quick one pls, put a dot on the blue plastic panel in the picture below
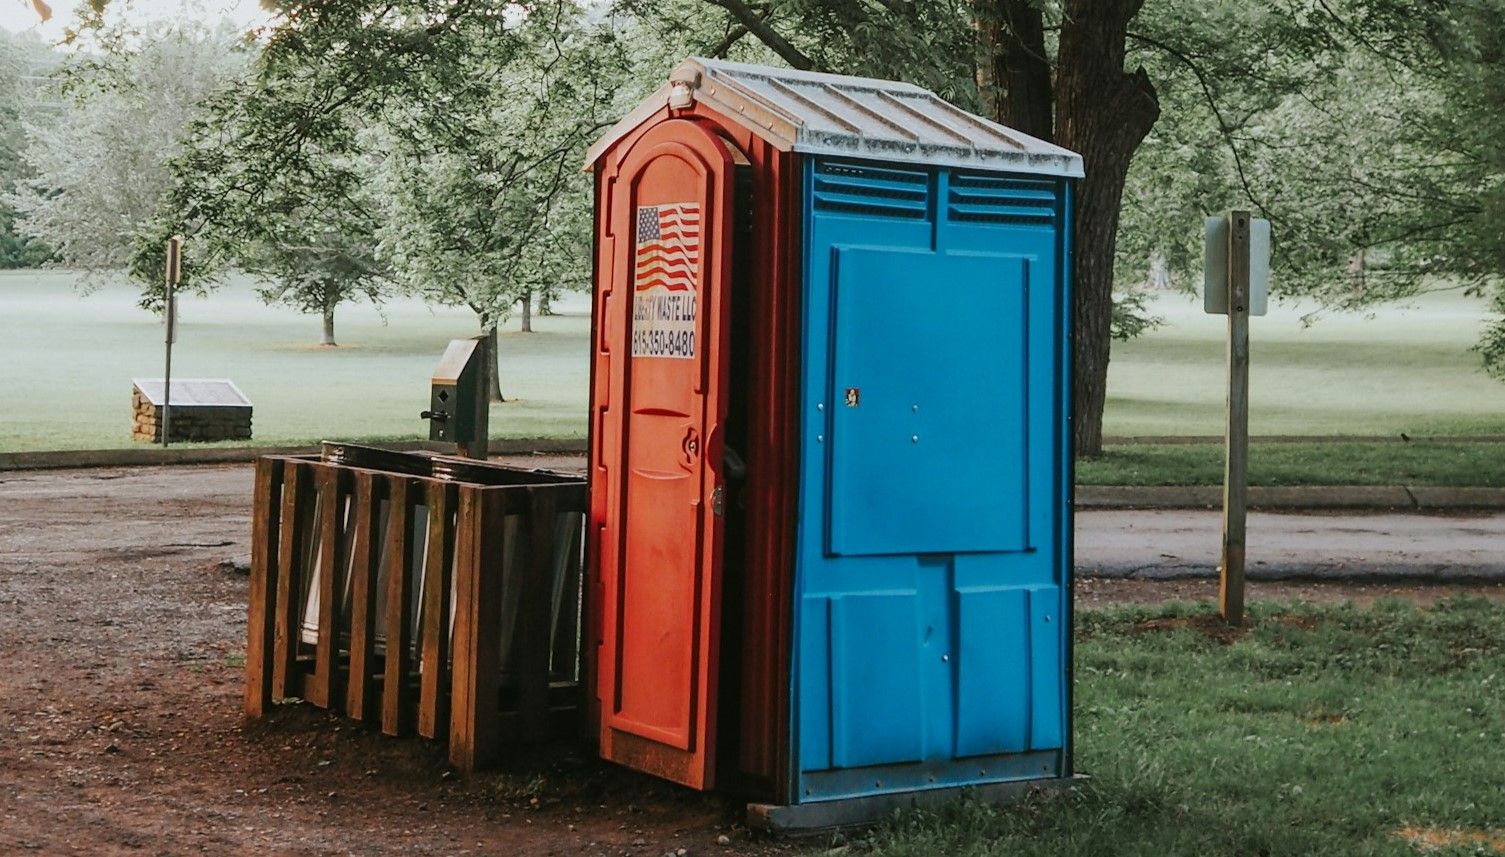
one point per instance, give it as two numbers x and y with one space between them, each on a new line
877 717
928 421
932 573
993 687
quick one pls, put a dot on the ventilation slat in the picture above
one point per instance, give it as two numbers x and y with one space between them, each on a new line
1022 212
976 198
1036 197
874 191
879 208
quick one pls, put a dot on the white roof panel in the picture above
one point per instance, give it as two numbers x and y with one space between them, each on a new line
832 114
194 392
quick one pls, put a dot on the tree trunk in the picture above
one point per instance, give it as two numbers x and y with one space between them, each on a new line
1013 69
493 363
528 311
1103 113
545 303
330 301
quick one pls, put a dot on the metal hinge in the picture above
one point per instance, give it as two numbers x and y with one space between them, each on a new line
718 501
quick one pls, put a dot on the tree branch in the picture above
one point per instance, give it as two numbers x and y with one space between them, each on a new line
1224 127
766 34
733 36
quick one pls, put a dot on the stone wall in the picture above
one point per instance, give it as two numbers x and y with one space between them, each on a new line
189 422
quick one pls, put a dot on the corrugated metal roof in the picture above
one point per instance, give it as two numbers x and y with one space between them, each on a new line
194 392
832 114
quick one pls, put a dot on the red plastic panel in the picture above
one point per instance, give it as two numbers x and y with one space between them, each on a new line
663 266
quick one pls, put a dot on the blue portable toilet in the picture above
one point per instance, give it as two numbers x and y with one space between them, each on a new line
875 549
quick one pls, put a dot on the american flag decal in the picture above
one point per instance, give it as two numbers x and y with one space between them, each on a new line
668 246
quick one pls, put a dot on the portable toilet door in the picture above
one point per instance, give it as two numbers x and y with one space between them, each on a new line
670 209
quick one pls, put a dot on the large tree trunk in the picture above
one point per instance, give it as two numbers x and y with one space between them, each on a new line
1013 71
1103 113
527 303
330 301
1098 111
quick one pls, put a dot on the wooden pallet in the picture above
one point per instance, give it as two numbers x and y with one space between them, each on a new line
396 597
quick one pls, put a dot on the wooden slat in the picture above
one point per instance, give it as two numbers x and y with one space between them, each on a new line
261 628
365 555
565 637
296 498
535 606
395 693
433 692
474 698
334 485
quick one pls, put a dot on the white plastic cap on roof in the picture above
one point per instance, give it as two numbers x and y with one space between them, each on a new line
833 114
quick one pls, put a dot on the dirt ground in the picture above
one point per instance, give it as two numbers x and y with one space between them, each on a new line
121 638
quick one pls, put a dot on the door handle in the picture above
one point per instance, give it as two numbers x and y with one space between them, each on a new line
691 446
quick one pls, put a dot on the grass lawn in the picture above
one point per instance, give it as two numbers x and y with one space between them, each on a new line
1334 730
1354 463
1405 369
74 357
68 361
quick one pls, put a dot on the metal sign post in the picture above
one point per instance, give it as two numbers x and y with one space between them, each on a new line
1236 284
174 276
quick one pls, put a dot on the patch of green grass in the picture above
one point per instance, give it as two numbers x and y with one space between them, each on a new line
1356 463
74 358
1333 730
1405 368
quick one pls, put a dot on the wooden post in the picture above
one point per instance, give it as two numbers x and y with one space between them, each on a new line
400 572
1236 462
364 569
434 630
334 483
261 629
292 532
474 699
174 267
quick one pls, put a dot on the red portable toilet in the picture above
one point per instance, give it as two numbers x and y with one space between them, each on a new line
830 569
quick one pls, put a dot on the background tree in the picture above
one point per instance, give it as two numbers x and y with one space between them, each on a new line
304 226
473 118
488 204
26 65
97 174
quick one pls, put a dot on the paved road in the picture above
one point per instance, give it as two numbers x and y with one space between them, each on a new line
1173 543
70 511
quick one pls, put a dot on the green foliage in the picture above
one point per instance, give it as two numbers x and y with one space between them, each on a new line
1375 149
421 146
99 170
24 63
487 204
1334 730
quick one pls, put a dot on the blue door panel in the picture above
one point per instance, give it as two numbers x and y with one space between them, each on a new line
925 452
877 717
993 671
931 548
